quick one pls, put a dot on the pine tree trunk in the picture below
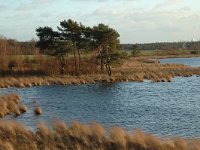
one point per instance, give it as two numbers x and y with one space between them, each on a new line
102 64
109 71
75 63
62 65
79 60
108 68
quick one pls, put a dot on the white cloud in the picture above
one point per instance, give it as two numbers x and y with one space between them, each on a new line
143 25
175 1
135 20
3 8
34 5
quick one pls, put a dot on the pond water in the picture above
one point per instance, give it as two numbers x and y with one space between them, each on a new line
164 109
194 61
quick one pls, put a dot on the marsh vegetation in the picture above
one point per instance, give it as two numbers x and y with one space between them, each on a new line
79 54
133 69
79 136
11 104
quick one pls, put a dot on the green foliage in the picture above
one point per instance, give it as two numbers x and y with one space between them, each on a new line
118 57
73 36
105 37
195 52
165 46
47 40
71 31
135 50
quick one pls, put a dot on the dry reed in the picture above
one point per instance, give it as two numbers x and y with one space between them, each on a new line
38 110
14 135
11 104
135 69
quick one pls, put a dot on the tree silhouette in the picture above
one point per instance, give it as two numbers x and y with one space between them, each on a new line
73 36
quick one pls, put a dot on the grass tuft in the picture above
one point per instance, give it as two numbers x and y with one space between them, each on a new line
14 135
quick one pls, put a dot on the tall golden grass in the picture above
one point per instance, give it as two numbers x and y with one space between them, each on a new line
11 104
135 69
143 68
43 65
38 110
15 136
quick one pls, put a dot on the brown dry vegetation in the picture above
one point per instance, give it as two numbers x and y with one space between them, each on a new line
14 135
18 65
23 58
36 69
11 104
134 69
38 110
150 69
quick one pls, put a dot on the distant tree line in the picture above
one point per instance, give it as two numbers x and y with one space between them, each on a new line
14 47
14 55
165 46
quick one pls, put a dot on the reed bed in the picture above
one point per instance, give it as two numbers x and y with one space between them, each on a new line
135 69
38 110
11 104
14 135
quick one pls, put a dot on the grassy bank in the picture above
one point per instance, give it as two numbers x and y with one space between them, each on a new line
133 69
16 136
169 53
151 69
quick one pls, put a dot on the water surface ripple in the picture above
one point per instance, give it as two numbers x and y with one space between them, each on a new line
164 109
161 108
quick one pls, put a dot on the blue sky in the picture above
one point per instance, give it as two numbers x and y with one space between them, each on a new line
137 21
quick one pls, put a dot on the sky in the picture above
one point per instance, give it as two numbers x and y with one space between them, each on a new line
137 21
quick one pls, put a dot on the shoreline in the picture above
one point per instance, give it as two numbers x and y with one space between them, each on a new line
22 82
126 76
176 56
93 136
132 70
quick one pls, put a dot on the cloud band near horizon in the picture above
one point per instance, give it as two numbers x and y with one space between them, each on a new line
137 21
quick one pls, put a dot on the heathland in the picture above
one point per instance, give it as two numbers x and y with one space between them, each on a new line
77 54
14 135
133 69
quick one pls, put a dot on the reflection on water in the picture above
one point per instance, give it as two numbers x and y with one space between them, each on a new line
160 108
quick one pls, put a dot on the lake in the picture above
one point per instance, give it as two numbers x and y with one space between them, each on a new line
194 61
164 109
